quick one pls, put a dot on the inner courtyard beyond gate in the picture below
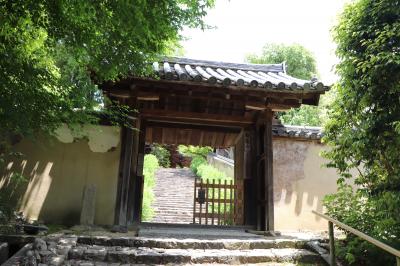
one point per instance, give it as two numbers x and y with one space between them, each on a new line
206 103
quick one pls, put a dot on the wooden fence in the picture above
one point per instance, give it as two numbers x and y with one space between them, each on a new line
216 202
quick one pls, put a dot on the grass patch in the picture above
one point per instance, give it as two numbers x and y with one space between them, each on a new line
149 169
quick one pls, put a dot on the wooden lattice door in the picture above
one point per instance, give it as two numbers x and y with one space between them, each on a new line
217 202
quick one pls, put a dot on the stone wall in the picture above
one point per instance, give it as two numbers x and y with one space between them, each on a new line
58 170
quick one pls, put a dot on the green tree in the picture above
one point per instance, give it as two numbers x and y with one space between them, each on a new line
364 127
51 51
301 64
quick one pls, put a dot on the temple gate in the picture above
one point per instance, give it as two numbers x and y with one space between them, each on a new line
207 103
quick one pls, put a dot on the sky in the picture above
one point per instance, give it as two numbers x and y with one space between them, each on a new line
244 26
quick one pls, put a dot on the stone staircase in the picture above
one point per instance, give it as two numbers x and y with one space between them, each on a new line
103 250
173 193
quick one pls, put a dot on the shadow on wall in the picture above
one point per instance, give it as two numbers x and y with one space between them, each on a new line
56 176
300 183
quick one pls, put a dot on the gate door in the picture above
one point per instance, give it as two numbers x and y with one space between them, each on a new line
217 202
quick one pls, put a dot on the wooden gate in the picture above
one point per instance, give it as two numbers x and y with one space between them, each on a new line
217 202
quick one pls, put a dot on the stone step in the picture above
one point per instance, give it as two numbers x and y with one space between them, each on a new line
171 243
174 207
174 212
176 218
91 263
173 218
198 256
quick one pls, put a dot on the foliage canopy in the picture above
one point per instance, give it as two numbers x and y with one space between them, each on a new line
301 64
52 50
364 126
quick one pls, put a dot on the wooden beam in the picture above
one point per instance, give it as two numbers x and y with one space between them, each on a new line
143 83
257 103
203 127
192 117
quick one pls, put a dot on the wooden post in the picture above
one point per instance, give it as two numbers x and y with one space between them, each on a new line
201 205
232 206
138 178
268 172
239 177
398 261
219 201
122 202
259 180
194 200
225 199
332 257
133 171
249 184
206 209
212 203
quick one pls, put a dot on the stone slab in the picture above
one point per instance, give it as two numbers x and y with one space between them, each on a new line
3 252
88 205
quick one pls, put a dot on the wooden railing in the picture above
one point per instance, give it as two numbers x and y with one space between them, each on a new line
379 244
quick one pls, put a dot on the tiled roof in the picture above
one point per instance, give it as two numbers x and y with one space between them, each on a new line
271 77
303 132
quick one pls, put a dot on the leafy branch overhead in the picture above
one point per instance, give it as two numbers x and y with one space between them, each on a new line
52 50
300 63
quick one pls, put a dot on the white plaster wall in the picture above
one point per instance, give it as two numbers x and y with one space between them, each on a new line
300 184
58 170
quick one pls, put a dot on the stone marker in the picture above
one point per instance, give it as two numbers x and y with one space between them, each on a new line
88 205
3 252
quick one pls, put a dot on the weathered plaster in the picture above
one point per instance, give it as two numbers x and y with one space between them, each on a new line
288 165
57 173
100 138
301 182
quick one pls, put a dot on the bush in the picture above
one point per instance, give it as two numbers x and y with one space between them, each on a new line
150 167
194 151
196 162
162 155
207 171
372 214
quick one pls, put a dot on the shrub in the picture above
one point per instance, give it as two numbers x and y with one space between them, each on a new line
207 171
196 162
363 129
162 155
194 151
372 214
150 167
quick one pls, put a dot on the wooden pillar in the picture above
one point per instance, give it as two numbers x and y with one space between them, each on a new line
133 170
268 172
264 172
259 174
122 202
138 178
250 188
239 175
